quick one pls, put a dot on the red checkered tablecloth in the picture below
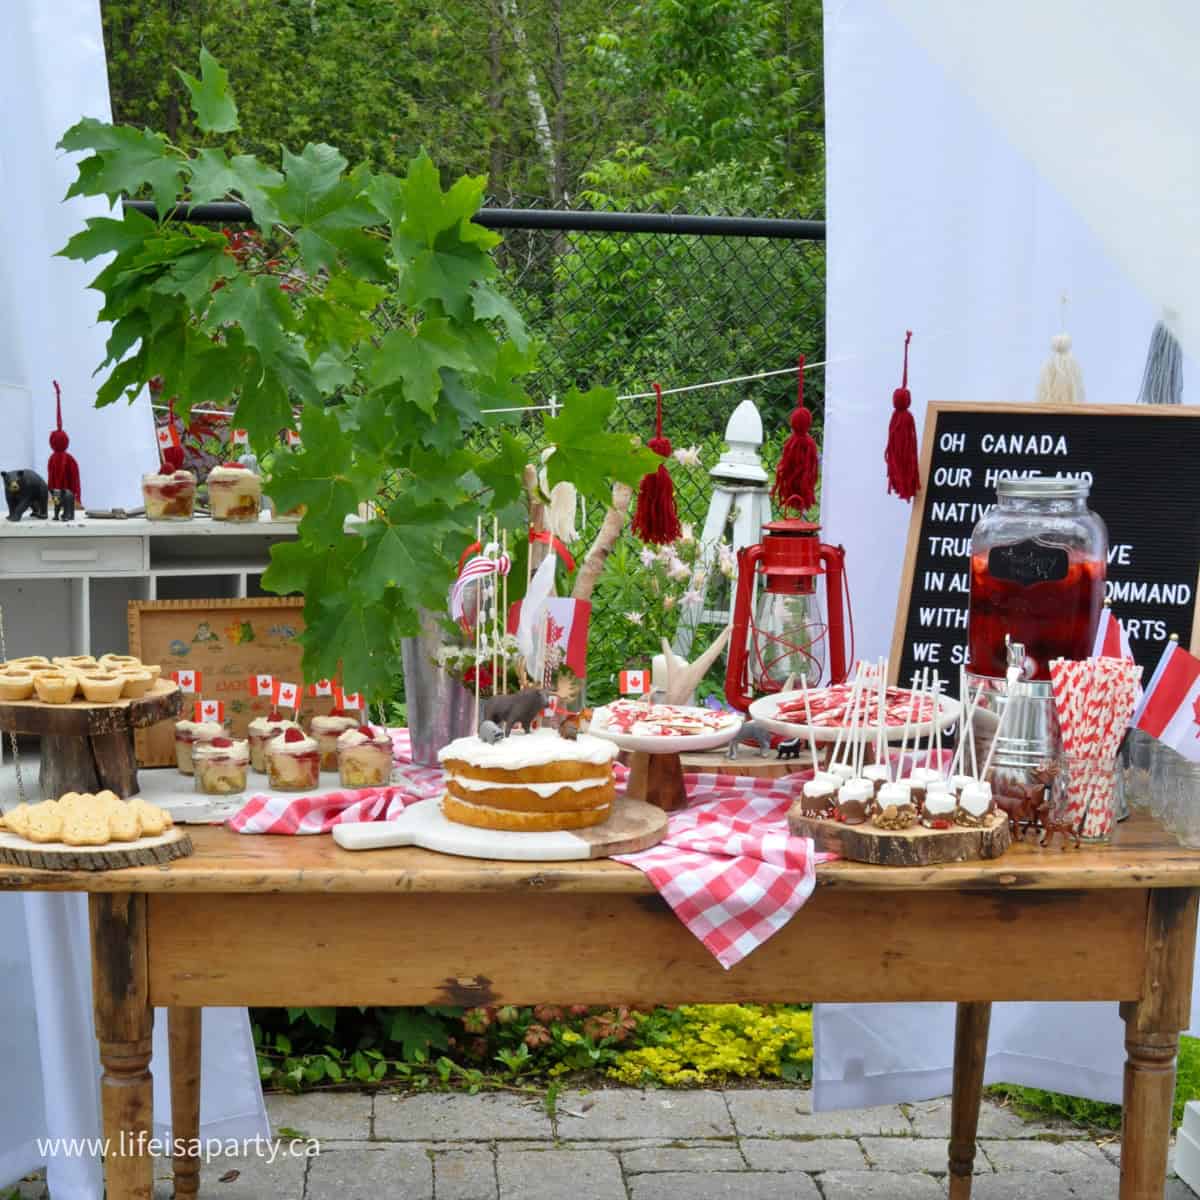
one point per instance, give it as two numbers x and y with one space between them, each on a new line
728 866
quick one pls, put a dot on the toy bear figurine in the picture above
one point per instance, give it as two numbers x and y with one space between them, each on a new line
26 492
64 504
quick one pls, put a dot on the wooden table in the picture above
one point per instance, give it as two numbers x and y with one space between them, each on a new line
297 921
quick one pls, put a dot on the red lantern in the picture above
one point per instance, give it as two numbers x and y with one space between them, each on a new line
788 633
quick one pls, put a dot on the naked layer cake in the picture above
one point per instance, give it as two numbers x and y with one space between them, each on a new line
532 782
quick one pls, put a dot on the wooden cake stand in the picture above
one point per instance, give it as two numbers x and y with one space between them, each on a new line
915 847
88 747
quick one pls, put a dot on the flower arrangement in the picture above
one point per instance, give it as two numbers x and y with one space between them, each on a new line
465 661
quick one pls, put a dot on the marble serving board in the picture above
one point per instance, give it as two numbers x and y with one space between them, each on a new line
633 825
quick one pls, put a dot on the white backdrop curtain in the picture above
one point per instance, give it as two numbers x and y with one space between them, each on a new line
52 71
940 222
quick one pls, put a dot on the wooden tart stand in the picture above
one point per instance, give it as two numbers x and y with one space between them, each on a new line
56 856
915 847
88 747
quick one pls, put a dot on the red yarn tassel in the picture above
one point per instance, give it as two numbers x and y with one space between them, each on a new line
903 467
655 520
62 471
799 464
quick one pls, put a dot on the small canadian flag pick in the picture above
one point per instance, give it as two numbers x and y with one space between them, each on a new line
552 708
634 683
189 681
350 700
210 710
287 695
164 437
241 437
323 687
293 438
262 685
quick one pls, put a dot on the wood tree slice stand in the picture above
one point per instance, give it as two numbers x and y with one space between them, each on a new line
748 762
657 779
88 747
56 856
915 847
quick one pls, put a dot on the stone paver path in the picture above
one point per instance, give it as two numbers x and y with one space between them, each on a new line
755 1144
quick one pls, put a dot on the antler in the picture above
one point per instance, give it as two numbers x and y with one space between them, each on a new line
566 688
682 677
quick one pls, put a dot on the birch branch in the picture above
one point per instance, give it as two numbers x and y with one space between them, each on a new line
610 530
541 122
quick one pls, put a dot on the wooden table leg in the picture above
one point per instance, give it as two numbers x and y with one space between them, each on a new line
124 1025
183 1035
970 1056
1152 1027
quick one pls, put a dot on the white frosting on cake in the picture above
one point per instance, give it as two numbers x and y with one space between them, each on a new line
538 749
976 799
894 794
280 745
940 803
239 752
541 789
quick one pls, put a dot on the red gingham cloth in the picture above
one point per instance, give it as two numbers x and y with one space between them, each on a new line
728 866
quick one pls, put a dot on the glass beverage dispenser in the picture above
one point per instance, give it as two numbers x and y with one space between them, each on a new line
1038 563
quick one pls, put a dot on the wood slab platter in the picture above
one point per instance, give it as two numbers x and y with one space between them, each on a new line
633 825
82 718
748 762
915 847
57 856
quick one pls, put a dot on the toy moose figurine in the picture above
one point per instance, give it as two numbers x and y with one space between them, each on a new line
1027 808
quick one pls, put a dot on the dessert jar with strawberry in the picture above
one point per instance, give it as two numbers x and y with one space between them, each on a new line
169 495
260 731
327 730
234 493
188 735
293 762
364 757
220 766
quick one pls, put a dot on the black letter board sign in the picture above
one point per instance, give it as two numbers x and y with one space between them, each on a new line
1144 466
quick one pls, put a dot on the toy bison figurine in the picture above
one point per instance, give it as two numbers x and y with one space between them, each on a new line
519 708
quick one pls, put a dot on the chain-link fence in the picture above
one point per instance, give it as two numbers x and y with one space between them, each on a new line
631 299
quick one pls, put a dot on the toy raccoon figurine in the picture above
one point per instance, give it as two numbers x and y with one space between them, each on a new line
26 492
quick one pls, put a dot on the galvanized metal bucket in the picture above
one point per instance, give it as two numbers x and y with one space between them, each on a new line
1030 738
440 709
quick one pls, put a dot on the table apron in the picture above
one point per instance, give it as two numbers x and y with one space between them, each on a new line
299 949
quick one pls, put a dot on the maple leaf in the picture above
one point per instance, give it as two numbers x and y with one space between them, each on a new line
586 455
212 104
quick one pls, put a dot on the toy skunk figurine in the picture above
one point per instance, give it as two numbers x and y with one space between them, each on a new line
789 749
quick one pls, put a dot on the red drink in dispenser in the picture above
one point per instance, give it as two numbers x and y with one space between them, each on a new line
1054 618
1037 576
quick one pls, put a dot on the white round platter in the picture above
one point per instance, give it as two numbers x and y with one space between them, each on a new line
682 743
763 711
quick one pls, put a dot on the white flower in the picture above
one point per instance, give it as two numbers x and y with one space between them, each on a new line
727 567
649 557
668 603
667 555
691 598
689 457
679 570
634 618
688 534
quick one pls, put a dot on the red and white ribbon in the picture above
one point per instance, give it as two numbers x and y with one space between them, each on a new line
473 570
